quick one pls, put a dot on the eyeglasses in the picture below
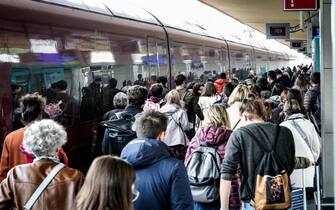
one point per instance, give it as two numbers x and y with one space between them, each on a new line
136 195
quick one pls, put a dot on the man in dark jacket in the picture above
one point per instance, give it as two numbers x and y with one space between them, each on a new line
243 149
311 103
160 179
136 98
108 95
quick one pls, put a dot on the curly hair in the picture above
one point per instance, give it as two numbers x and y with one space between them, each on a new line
44 137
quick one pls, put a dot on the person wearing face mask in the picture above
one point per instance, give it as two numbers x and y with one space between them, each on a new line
161 180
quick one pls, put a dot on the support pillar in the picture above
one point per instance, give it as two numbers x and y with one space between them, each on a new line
327 98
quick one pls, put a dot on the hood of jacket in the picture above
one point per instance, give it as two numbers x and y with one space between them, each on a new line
213 135
141 153
170 108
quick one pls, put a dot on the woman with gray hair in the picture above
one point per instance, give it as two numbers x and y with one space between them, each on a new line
42 139
119 102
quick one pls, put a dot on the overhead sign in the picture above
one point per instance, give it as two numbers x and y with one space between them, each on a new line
278 31
297 5
296 44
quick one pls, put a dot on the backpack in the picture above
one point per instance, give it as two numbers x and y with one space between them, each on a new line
203 169
120 132
272 184
150 105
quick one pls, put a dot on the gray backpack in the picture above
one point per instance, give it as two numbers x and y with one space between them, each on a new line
203 169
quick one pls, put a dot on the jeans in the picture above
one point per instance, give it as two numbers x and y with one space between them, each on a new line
247 206
206 206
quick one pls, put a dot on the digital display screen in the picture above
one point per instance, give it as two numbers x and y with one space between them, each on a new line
296 44
278 31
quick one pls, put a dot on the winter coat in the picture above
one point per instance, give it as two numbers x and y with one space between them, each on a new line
160 179
302 149
310 98
219 83
216 136
177 124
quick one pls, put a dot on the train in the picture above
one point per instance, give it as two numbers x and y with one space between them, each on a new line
82 41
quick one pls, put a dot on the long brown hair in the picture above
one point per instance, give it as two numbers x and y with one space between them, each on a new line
108 185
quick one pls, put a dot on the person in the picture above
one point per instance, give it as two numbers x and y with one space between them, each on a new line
193 109
278 115
207 98
240 93
263 84
283 79
300 84
220 83
119 104
140 81
227 90
87 105
160 179
215 134
109 184
243 149
70 107
312 98
108 94
181 88
41 138
272 79
306 139
175 137
155 101
136 97
13 153
163 80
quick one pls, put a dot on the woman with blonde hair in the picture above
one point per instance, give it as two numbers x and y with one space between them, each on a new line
109 185
235 101
215 134
175 136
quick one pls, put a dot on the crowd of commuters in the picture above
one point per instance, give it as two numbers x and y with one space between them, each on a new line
239 120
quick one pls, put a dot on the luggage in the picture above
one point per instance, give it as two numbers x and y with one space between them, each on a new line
120 132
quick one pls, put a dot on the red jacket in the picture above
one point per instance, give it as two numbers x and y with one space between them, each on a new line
219 83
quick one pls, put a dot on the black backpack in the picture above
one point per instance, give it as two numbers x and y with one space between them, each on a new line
272 184
120 132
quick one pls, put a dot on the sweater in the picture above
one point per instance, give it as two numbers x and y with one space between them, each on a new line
242 149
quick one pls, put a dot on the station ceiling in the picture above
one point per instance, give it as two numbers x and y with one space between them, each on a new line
256 13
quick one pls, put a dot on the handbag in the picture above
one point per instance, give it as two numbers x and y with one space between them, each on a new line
42 186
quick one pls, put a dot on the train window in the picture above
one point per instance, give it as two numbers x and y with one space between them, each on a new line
197 62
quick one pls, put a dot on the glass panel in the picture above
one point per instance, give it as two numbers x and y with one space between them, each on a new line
241 63
196 62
